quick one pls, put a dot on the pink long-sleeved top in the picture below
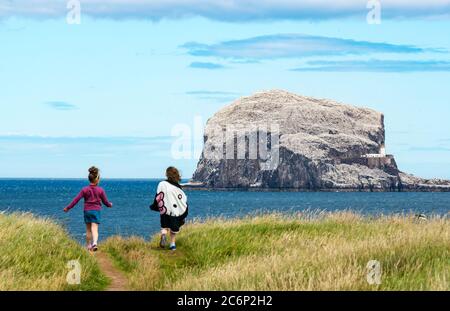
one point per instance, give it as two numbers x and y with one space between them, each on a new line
93 196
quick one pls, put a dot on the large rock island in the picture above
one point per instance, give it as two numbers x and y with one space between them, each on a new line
280 140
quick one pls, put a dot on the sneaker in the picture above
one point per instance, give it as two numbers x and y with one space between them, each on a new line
94 248
89 247
173 247
163 241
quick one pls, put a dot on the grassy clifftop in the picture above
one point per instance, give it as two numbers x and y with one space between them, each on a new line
34 254
275 252
271 252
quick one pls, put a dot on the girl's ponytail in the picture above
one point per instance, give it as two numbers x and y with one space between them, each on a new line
93 174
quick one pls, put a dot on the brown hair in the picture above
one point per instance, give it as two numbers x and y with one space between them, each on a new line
94 174
173 175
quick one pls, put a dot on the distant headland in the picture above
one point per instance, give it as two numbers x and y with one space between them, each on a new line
279 140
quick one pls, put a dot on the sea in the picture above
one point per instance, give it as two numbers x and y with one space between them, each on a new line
131 215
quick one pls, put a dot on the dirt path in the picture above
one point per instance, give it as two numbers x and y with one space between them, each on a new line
118 280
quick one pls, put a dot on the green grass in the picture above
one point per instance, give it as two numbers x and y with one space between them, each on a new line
34 254
275 252
266 252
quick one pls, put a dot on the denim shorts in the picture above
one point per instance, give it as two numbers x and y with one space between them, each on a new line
92 217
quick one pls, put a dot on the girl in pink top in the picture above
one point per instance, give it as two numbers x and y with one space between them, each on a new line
93 196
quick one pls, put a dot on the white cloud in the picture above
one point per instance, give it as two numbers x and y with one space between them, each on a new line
295 46
226 10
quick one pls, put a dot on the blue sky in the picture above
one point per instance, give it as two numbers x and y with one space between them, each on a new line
110 90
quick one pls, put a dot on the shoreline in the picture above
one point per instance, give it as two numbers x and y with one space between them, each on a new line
443 189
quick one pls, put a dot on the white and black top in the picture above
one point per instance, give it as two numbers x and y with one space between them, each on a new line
170 200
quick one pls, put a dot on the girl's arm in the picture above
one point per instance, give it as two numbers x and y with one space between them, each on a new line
74 202
105 199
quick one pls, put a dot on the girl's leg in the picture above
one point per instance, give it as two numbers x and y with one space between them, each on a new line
88 235
94 228
173 236
162 242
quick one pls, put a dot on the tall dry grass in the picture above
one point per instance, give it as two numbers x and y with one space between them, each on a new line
276 252
34 254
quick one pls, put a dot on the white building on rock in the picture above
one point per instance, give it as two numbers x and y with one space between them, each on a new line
382 153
